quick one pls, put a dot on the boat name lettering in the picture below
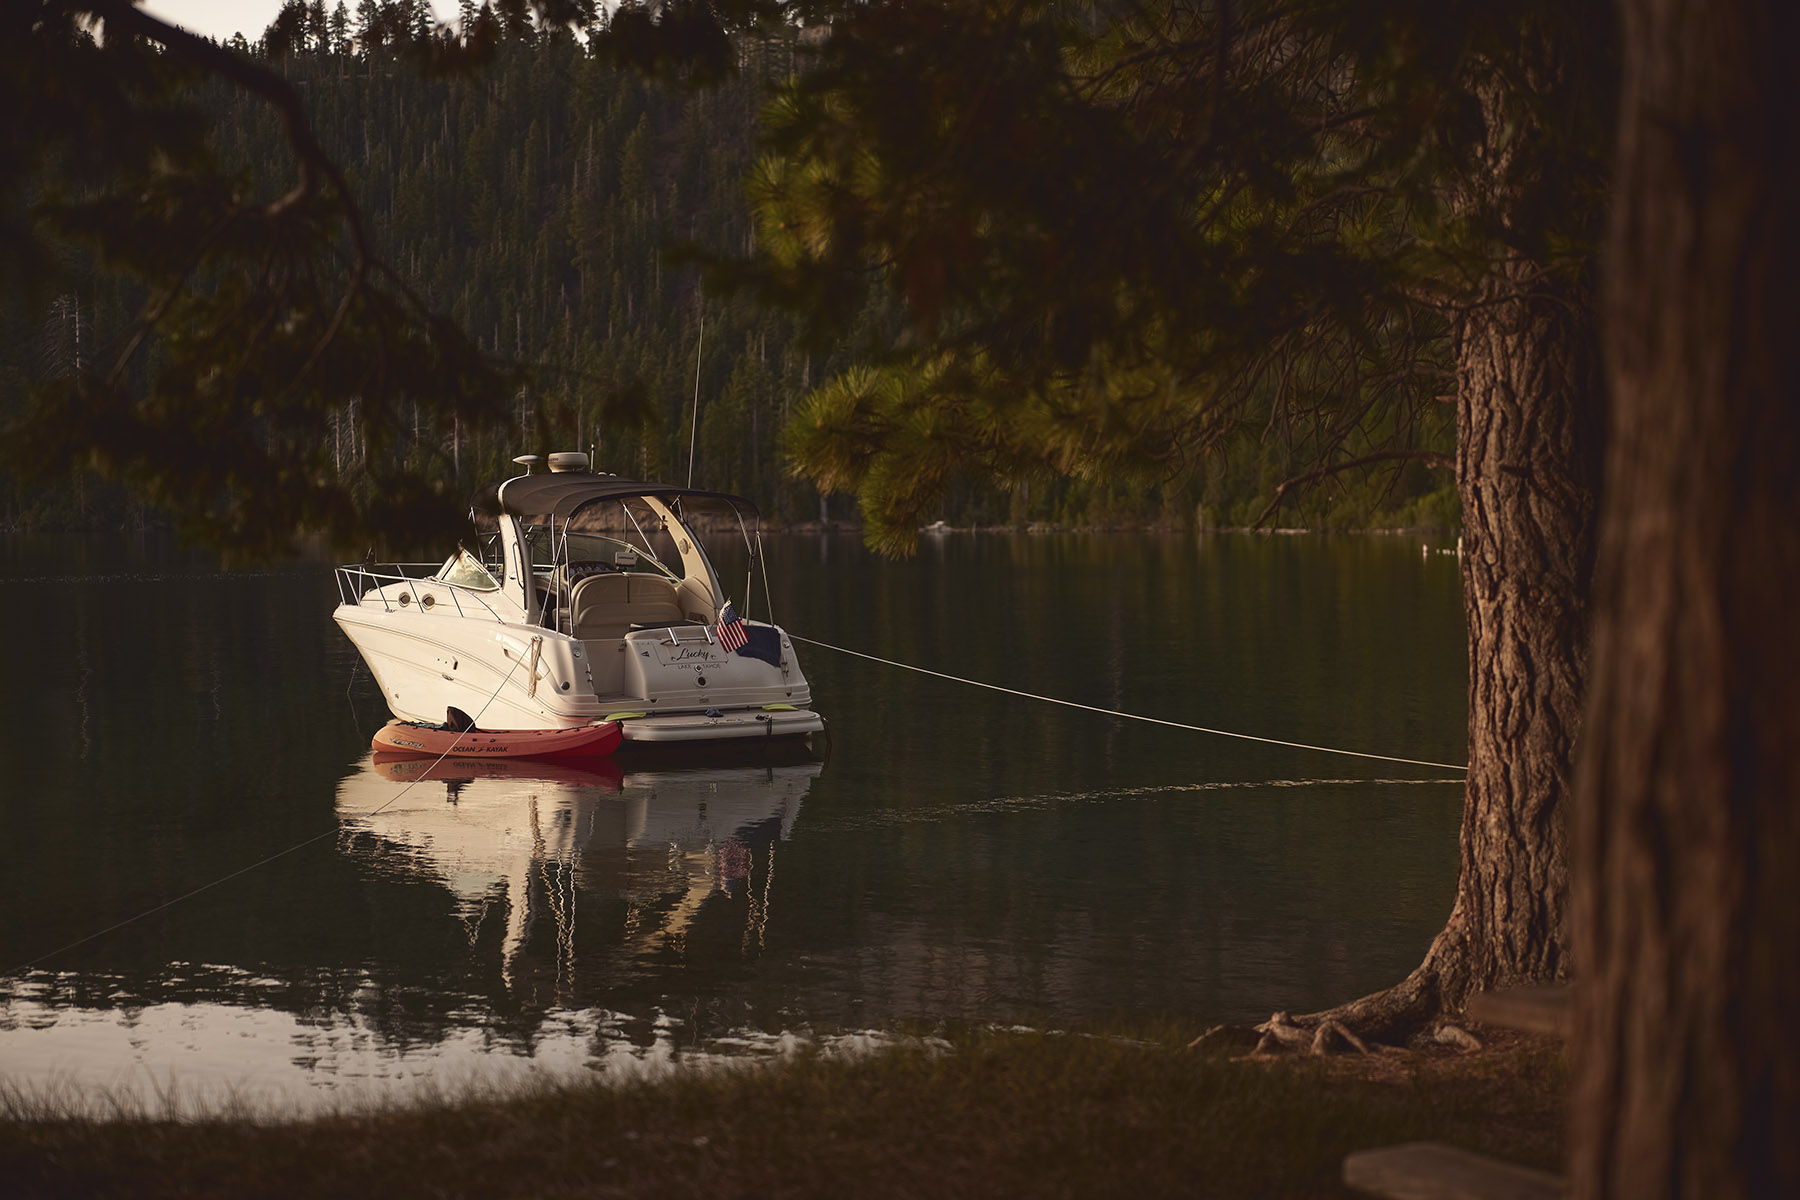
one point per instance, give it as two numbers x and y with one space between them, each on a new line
404 742
691 655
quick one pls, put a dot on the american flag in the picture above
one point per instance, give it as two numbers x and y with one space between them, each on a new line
731 631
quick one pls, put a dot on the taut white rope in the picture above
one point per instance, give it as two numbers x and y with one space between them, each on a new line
1113 712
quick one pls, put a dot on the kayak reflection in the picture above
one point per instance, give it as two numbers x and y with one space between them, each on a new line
602 773
529 846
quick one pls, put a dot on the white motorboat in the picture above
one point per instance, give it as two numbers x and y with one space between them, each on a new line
588 598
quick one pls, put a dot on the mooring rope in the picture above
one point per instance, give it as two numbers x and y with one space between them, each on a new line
1113 712
332 832
993 687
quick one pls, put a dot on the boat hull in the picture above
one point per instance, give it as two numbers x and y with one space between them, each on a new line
526 677
430 741
514 676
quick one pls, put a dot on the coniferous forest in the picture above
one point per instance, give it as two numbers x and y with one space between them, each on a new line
557 206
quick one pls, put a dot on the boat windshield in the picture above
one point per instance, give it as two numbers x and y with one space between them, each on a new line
552 547
465 570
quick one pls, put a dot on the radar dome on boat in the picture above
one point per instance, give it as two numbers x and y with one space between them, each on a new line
568 460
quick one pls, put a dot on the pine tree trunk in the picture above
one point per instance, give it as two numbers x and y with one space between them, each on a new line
1529 407
1528 397
1687 915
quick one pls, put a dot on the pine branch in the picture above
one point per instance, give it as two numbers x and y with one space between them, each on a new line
1431 458
310 156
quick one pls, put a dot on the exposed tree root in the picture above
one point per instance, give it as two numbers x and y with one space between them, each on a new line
1395 1015
1455 1035
1416 1011
1281 1031
1329 1033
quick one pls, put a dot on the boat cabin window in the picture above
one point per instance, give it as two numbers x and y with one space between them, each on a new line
465 570
493 554
548 550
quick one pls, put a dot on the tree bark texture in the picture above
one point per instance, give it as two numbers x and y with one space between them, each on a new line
1687 906
1527 466
1529 414
1528 390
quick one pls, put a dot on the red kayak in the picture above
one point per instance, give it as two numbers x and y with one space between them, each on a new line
428 741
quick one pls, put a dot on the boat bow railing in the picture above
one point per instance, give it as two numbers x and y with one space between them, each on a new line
362 583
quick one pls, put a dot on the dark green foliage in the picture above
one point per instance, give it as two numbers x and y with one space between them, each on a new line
1128 238
1059 337
263 314
531 203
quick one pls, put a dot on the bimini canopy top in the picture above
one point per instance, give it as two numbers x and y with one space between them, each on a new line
559 497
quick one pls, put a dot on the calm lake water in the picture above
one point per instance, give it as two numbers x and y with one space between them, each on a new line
963 857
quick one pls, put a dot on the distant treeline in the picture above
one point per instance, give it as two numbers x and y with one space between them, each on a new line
538 201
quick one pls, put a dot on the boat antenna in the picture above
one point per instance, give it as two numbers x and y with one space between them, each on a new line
762 561
694 430
750 549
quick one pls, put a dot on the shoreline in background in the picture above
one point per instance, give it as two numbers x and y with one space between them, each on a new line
308 546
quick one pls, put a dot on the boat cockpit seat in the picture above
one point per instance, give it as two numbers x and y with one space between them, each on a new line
654 598
696 602
600 606
559 582
570 574
607 606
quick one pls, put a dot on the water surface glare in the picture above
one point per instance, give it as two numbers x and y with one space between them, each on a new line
962 858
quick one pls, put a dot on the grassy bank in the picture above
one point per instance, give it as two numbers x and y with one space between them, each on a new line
1001 1115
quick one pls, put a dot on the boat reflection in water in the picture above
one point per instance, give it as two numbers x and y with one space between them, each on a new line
538 850
602 773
